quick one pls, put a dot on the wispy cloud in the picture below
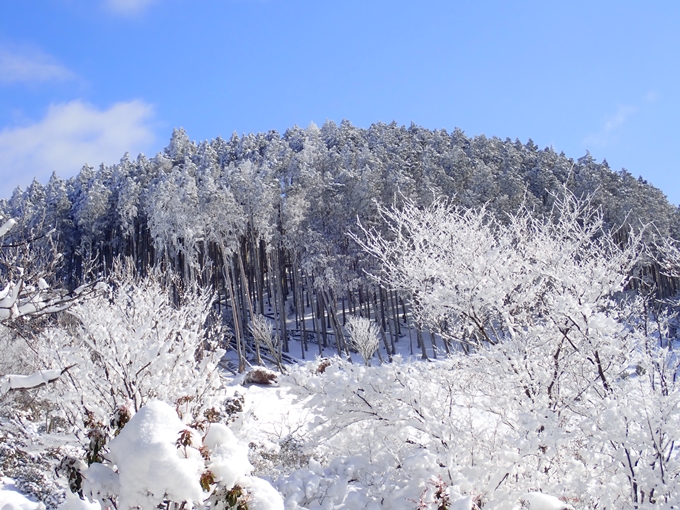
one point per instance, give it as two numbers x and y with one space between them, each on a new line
70 135
128 7
30 65
611 127
651 97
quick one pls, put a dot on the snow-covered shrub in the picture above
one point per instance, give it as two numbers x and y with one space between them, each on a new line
233 406
29 464
477 281
562 386
263 333
287 455
18 357
667 253
363 337
386 431
389 430
158 459
130 345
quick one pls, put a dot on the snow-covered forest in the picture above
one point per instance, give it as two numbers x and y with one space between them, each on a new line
342 318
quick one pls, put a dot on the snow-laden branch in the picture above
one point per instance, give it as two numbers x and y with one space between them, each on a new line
667 255
25 382
478 281
30 294
7 226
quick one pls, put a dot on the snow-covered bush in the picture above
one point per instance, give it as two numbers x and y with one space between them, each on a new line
561 386
130 345
26 295
157 459
477 281
26 271
667 254
263 333
363 337
30 469
391 431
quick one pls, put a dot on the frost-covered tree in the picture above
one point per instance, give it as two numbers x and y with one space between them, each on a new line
131 344
363 337
263 218
667 252
560 360
263 333
26 292
479 281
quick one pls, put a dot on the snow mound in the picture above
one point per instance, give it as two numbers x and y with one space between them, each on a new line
540 501
262 496
229 456
151 467
12 499
73 502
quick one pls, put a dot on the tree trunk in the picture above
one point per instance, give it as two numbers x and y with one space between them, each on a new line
244 283
226 268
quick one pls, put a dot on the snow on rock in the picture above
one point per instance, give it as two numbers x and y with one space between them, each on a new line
229 456
150 466
260 375
540 501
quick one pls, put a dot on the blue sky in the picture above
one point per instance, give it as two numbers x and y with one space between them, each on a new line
87 80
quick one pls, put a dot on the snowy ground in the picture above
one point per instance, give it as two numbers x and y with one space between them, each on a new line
12 499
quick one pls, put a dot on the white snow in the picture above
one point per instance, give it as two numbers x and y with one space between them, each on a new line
7 226
15 382
262 496
5 291
73 502
151 467
101 482
540 501
11 295
229 456
12 499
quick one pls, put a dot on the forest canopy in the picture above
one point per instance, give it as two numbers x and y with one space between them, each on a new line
304 190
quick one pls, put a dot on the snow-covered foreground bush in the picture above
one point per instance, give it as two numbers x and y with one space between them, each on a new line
145 395
563 385
130 345
157 459
392 432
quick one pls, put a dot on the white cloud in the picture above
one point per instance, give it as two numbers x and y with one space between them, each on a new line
23 65
612 126
128 7
651 97
70 135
